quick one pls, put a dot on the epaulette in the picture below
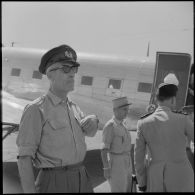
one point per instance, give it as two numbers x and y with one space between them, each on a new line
109 124
180 112
146 115
39 100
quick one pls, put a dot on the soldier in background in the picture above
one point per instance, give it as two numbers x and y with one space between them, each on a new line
116 155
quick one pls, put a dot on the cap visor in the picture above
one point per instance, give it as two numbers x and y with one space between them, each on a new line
70 61
162 84
125 105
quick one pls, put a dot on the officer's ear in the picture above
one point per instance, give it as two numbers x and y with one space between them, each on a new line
115 111
173 100
49 75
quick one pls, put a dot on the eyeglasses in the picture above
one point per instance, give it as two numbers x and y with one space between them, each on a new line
66 69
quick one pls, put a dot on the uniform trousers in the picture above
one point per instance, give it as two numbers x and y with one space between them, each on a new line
66 179
121 172
170 177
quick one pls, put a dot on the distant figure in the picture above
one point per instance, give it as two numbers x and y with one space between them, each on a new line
164 133
52 131
116 156
190 96
150 108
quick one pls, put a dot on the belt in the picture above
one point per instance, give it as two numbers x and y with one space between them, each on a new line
115 153
66 168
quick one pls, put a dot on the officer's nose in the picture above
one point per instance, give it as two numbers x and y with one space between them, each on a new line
72 73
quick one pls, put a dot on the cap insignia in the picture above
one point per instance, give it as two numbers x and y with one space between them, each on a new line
68 54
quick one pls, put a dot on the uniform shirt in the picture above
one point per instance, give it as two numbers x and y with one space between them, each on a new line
50 132
165 133
116 137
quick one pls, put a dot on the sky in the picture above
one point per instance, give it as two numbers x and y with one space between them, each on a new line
116 28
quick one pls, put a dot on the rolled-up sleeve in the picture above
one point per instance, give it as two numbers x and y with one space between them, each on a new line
29 131
107 136
139 156
93 128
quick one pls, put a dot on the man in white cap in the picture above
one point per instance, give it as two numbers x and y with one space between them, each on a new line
164 133
172 79
116 148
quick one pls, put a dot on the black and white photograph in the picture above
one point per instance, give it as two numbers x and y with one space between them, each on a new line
97 96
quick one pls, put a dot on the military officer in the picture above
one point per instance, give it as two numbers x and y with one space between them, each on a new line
52 131
164 133
116 148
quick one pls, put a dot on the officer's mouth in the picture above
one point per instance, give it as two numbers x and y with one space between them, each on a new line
71 80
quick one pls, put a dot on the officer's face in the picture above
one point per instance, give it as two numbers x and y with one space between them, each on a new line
63 81
122 112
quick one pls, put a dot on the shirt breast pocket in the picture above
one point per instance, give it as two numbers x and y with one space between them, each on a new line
57 125
119 137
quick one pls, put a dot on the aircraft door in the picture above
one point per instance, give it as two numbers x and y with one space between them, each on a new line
178 64
114 87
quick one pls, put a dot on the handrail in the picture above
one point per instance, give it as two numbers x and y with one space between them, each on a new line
14 127
7 123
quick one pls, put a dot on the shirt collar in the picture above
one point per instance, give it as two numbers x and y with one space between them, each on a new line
55 99
118 121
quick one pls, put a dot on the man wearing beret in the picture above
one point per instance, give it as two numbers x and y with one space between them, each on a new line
116 156
164 132
52 131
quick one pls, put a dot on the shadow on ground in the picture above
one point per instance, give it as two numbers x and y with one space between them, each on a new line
94 167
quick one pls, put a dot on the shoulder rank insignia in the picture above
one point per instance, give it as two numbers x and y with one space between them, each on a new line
146 115
39 100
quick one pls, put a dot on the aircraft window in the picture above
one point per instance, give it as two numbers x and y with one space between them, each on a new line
15 72
114 84
86 80
37 75
144 87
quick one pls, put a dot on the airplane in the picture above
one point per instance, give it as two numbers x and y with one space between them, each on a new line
99 80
